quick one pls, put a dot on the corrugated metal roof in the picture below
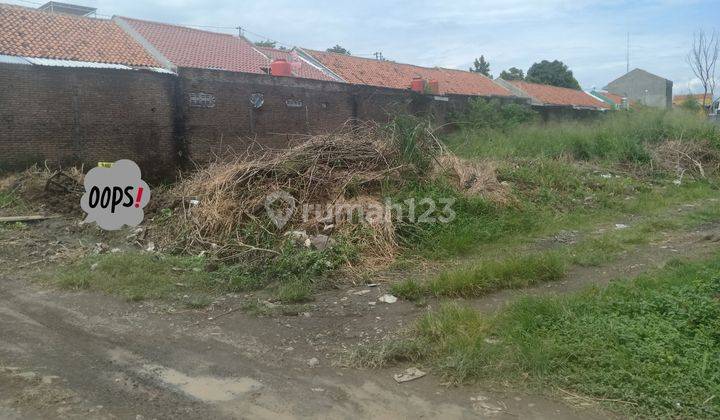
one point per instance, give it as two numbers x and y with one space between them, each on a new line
50 62
159 70
72 63
12 59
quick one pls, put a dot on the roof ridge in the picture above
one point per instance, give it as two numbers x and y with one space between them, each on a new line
396 62
545 84
38 11
175 25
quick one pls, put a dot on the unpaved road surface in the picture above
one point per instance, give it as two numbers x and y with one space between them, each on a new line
82 355
88 355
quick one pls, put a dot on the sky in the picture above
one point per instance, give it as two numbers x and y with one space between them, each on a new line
590 36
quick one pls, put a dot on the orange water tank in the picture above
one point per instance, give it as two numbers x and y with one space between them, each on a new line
280 67
417 85
434 86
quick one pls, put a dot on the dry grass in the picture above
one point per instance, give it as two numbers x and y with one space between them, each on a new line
342 170
473 178
43 189
698 159
320 170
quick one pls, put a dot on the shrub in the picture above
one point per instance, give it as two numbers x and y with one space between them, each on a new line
493 114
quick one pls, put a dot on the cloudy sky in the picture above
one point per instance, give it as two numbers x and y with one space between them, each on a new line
588 35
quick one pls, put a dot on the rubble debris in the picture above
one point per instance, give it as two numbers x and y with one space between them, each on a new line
321 242
482 406
313 362
410 374
387 298
100 248
299 236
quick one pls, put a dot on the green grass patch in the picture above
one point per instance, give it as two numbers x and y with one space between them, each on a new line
617 137
138 276
648 346
293 275
548 195
487 276
7 199
528 267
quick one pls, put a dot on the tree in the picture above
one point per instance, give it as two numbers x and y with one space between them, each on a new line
703 61
691 104
554 73
513 73
481 66
338 50
266 44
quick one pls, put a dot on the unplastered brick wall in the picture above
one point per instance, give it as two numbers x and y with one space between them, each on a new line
69 116
226 112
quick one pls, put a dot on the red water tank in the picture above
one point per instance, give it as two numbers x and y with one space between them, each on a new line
434 86
417 85
280 67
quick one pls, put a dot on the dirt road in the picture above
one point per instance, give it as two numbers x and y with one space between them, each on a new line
88 355
80 355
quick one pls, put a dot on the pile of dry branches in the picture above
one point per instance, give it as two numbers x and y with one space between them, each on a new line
345 168
319 170
698 159
46 189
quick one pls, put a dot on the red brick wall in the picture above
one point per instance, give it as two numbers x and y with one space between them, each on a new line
232 124
74 115
79 115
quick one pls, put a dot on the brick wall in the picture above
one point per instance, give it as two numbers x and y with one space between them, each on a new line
80 115
218 115
228 121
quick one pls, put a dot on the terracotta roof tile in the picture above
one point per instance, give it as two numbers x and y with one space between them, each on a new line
306 70
187 47
680 99
553 95
33 33
390 74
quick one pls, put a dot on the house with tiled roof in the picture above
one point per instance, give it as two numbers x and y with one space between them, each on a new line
179 46
30 36
678 100
389 74
553 96
615 101
301 68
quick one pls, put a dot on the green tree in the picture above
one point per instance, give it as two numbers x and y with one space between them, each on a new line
554 73
266 44
691 104
481 66
338 50
513 73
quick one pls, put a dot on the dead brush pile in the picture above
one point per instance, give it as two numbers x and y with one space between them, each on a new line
345 169
697 159
472 178
45 189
